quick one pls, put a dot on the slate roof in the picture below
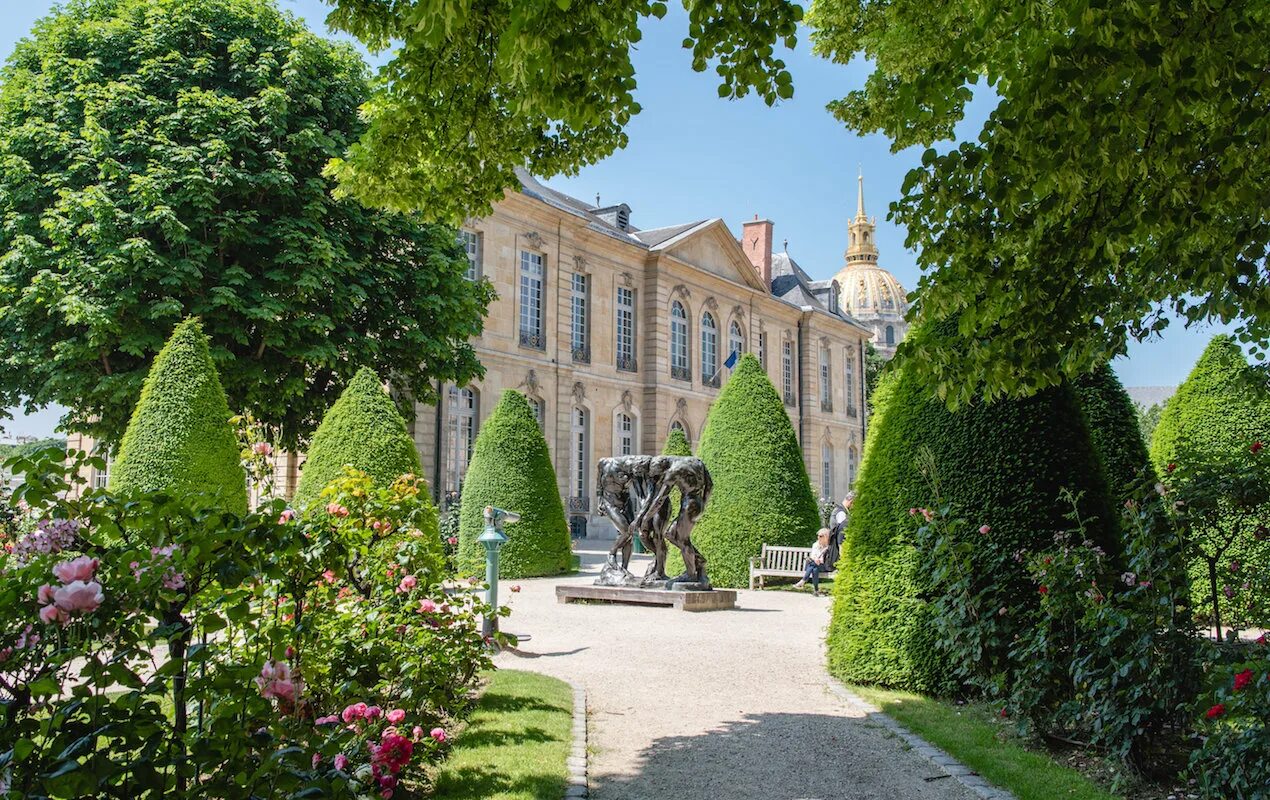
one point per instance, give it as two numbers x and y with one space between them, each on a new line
1147 396
655 236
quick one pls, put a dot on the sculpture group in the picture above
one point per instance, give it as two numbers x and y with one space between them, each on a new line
635 494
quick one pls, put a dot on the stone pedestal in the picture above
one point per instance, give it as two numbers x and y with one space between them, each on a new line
713 600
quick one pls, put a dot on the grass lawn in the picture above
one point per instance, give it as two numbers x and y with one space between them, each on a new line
515 744
969 733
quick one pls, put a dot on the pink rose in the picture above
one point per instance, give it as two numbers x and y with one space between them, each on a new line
453 540
79 596
396 716
427 606
407 583
286 516
417 732
516 588
327 720
317 759
174 581
262 448
45 594
275 682
354 712
79 569
341 762
438 734
336 510
374 712
51 614
985 529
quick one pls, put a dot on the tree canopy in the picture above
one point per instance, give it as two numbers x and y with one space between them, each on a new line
475 91
164 158
1120 177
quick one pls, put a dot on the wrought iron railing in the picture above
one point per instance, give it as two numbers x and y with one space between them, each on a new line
626 363
578 504
533 339
789 399
581 354
826 406
681 373
710 380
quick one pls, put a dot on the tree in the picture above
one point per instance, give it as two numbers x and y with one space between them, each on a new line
1002 465
1112 183
179 439
1114 430
474 92
164 159
511 469
362 430
874 363
761 491
1148 418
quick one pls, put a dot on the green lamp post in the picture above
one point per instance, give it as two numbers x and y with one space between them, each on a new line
493 538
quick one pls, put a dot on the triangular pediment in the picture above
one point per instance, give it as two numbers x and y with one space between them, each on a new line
711 247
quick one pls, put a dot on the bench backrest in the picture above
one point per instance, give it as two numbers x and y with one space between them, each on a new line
786 559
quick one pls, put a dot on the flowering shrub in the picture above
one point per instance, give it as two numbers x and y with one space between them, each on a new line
1236 728
159 649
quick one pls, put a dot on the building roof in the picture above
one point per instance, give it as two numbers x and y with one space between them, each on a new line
1147 396
655 237
871 291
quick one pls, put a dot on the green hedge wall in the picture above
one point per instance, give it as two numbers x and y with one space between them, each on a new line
1003 465
363 430
511 469
1114 429
179 438
761 491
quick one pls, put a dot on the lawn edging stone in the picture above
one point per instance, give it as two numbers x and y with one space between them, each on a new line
577 787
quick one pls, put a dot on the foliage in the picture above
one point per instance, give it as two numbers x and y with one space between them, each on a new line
1112 183
1003 466
179 439
761 491
156 648
362 430
471 93
511 469
1113 428
1149 418
450 539
1232 760
255 455
874 363
31 448
161 159
1206 445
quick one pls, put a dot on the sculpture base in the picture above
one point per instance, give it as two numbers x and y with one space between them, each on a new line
682 599
613 575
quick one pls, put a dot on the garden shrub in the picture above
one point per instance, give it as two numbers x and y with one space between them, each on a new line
1114 429
1002 466
179 439
1232 760
761 491
1214 424
511 469
362 430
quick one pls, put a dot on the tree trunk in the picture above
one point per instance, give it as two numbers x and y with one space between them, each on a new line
1212 585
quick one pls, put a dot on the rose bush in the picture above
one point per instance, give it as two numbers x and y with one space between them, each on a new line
159 648
1236 729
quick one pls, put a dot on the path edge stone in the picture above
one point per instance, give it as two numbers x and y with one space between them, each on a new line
959 772
577 761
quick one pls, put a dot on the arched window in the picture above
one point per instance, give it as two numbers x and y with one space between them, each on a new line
709 349
826 470
890 334
579 447
460 435
736 341
625 434
849 383
851 465
679 342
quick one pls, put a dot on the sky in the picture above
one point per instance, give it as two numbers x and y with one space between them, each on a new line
693 155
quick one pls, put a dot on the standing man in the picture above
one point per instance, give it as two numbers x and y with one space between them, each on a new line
837 529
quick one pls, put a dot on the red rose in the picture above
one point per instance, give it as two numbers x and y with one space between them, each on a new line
1256 447
1261 639
1216 711
1004 713
1044 590
1243 679
1172 466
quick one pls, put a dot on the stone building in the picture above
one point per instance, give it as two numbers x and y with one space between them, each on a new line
870 294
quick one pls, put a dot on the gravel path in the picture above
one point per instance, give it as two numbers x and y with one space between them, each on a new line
740 703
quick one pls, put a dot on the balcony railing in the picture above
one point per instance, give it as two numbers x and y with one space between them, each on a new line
533 339
789 399
710 380
826 406
578 505
626 363
581 354
681 373
851 411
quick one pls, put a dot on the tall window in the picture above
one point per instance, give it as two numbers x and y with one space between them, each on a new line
736 342
851 465
101 477
472 244
625 435
826 470
460 436
890 334
709 350
849 383
625 329
531 277
762 349
535 405
679 426
826 387
578 453
579 341
679 342
787 371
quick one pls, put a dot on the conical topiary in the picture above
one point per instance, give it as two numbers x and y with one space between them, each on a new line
511 469
1114 429
1003 465
761 491
363 430
179 439
676 445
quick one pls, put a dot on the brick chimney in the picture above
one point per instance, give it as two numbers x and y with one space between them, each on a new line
756 241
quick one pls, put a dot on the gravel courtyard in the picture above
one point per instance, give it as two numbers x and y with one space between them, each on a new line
726 705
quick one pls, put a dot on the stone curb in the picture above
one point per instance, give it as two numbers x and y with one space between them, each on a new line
951 766
577 788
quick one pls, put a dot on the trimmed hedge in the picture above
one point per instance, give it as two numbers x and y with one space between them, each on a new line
1217 413
761 491
363 430
1114 429
179 439
1001 464
511 469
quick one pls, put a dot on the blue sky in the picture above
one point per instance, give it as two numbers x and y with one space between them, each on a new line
693 156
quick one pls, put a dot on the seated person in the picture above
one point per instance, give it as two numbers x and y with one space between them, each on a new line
811 570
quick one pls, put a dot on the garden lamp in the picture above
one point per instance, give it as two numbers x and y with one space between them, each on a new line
493 538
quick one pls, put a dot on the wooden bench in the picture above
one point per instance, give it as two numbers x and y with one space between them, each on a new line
780 562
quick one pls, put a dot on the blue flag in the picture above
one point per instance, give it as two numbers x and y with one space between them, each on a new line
731 362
